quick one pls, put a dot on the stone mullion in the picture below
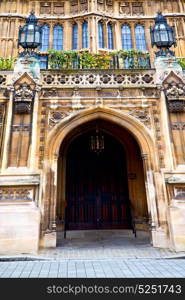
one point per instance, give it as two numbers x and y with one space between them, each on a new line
66 38
105 34
132 26
117 36
51 26
95 35
148 42
79 22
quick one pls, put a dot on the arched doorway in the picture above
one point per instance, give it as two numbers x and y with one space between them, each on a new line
104 191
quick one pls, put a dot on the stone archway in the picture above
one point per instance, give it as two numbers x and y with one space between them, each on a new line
57 136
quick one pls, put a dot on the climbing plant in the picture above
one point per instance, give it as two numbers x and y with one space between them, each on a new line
6 63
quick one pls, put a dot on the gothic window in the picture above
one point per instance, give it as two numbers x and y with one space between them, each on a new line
75 36
140 37
100 35
43 62
45 38
85 35
126 37
110 36
58 37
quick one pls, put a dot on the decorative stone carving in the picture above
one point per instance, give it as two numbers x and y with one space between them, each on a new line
178 126
50 93
100 78
176 106
179 193
56 116
141 115
2 79
16 194
23 97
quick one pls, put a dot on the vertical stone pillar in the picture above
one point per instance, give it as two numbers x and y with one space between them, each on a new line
33 161
105 34
93 34
51 25
117 36
67 35
8 130
132 25
79 22
116 7
165 129
151 197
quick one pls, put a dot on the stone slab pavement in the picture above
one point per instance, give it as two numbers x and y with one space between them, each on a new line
107 268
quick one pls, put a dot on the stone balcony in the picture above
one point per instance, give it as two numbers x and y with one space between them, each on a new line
91 79
97 78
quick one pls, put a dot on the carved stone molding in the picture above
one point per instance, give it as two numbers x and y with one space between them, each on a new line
176 106
15 194
23 98
96 79
56 116
178 126
179 193
3 80
142 115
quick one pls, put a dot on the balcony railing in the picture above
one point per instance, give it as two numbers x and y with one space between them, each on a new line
116 62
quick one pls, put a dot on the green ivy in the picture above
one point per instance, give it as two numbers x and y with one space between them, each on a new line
86 60
6 63
181 62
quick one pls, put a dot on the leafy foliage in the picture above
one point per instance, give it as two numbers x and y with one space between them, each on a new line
61 59
6 63
181 62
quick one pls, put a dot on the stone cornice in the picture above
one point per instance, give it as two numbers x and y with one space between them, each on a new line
104 15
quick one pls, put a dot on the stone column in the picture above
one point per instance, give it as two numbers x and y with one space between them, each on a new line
80 22
67 35
151 199
105 34
33 162
132 25
51 25
8 130
117 36
93 34
165 129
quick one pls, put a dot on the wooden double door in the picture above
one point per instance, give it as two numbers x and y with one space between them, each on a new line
96 186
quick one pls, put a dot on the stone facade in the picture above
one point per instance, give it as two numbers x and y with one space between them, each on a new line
42 111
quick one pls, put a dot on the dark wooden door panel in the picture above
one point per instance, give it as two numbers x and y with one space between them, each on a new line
97 189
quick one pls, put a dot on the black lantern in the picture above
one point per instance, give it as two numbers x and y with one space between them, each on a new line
97 141
30 34
162 35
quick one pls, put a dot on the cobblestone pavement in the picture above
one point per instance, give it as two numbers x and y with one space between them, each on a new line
113 268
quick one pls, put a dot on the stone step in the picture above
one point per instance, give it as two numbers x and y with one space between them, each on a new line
90 234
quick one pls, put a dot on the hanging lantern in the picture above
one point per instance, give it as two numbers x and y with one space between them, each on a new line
30 33
162 35
97 141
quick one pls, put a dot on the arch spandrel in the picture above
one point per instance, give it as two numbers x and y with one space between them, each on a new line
142 135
